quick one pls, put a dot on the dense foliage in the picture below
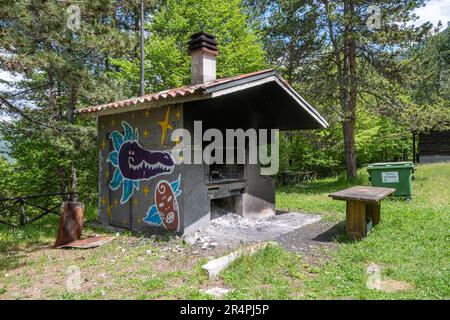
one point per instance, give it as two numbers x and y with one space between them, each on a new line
167 64
397 83
62 62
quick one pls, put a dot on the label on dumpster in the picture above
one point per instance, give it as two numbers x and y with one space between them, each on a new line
389 177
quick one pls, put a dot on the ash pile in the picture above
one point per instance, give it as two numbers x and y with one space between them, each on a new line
230 230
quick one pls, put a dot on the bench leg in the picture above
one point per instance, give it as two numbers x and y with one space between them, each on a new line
373 211
355 219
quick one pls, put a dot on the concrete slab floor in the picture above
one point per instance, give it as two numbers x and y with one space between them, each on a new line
230 230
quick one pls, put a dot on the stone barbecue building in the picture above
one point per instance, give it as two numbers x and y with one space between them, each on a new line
143 187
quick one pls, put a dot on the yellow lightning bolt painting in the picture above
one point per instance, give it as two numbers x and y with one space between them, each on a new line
108 211
165 125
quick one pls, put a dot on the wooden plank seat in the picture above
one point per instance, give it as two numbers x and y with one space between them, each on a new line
363 206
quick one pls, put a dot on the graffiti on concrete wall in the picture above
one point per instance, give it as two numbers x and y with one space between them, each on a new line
165 212
165 125
133 163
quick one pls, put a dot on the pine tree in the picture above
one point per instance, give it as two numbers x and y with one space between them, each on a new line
62 52
362 55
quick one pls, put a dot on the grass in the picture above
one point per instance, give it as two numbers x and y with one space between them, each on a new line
130 267
252 277
410 245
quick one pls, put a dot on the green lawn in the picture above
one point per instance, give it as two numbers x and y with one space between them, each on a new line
410 245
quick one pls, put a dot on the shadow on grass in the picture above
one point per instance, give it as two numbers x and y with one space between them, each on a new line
335 234
15 243
11 261
332 234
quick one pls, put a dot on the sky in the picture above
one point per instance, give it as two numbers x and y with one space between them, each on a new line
7 76
434 11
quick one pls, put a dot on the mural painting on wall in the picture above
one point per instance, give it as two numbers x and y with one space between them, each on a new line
133 163
165 125
165 212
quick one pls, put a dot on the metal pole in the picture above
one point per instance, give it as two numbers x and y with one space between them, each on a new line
142 92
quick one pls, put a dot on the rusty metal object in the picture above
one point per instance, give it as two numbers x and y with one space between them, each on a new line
88 243
71 223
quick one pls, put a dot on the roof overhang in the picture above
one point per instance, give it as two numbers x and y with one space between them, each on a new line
260 80
249 85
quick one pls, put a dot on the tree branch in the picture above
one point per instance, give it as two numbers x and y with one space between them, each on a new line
18 111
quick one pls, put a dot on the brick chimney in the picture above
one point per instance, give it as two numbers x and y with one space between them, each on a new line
203 51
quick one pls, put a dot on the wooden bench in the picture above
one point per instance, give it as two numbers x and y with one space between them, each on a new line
362 203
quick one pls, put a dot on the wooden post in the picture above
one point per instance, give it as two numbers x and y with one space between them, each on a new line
22 215
356 219
373 211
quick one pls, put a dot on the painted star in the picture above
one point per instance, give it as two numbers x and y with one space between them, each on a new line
165 125
103 144
146 191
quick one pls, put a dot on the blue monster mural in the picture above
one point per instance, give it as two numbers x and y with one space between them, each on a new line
133 163
165 212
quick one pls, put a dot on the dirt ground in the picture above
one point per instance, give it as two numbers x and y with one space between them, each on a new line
165 266
311 239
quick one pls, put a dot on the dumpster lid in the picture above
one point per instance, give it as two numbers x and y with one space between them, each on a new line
391 165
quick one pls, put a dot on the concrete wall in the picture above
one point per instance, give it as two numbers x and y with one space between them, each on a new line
259 200
196 204
117 204
129 196
433 159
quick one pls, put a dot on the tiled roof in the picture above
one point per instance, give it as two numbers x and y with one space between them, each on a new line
171 94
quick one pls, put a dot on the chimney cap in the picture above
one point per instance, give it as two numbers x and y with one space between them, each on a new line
202 40
203 33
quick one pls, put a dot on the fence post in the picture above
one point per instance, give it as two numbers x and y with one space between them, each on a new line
22 216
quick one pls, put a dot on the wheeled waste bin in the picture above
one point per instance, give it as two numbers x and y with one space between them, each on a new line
398 175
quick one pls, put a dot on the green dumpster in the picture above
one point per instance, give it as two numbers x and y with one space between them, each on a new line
398 175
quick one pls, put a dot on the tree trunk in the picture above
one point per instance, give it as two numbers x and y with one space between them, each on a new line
52 98
74 190
348 100
349 147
